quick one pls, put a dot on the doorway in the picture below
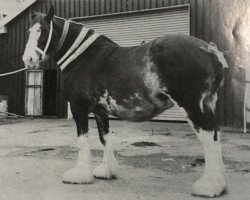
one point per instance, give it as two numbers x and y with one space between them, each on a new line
49 92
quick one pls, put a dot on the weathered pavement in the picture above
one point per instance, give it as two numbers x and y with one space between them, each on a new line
157 161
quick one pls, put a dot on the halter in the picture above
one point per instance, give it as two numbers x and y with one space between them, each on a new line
76 48
43 52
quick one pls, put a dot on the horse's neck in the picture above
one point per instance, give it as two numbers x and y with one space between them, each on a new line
72 35
73 32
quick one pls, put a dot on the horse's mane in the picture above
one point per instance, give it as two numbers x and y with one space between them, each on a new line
108 39
92 30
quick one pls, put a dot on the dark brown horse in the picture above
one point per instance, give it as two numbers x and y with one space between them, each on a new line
135 84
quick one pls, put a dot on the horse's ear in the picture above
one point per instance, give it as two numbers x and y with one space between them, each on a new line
50 14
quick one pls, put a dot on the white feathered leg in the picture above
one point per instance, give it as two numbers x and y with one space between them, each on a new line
109 166
82 172
212 183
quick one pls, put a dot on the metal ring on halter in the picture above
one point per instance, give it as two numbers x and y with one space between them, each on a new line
43 52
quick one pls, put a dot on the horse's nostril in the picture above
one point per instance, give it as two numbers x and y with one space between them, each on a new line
31 59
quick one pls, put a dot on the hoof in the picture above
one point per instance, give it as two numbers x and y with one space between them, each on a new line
103 171
206 187
78 175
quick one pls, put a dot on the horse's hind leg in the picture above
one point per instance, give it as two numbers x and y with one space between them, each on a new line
108 168
212 183
82 172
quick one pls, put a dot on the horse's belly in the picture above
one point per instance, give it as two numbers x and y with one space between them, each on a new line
134 108
137 114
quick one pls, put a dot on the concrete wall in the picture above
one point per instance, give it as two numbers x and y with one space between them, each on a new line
230 28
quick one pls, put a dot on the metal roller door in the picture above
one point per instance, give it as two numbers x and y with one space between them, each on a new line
130 29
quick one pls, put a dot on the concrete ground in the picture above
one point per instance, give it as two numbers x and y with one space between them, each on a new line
157 161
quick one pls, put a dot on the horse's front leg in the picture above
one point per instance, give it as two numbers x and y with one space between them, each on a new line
108 168
82 171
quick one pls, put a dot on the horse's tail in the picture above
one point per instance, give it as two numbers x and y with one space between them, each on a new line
219 64
218 79
209 98
213 84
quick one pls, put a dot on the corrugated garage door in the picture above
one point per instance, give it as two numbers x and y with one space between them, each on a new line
134 28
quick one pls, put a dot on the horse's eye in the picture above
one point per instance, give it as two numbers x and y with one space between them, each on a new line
39 30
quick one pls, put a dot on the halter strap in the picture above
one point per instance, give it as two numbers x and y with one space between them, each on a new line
64 34
43 52
75 45
80 50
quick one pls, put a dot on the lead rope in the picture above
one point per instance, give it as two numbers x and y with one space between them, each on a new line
13 72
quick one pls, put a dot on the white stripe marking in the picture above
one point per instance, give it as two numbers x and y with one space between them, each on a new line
30 49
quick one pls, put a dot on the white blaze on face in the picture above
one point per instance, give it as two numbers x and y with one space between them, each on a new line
30 56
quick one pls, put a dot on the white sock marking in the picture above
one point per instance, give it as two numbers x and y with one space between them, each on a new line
82 172
212 182
108 168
